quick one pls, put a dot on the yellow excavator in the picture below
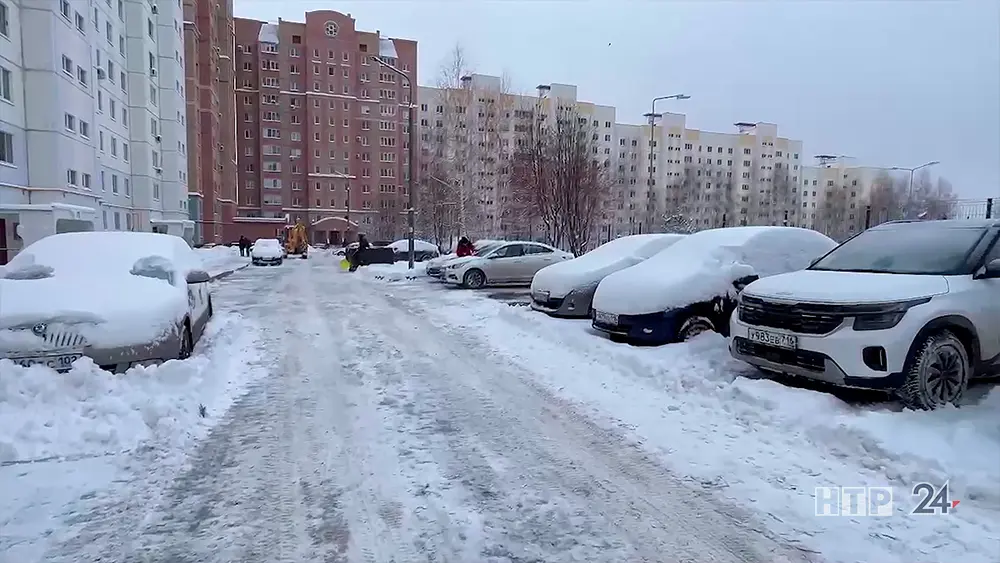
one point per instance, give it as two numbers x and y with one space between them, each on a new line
297 240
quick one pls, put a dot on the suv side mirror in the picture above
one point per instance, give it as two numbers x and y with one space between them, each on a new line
991 271
198 276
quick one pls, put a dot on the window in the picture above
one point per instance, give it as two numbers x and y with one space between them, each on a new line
4 20
64 8
6 148
82 75
71 177
5 88
85 180
84 129
330 28
67 65
114 183
70 122
114 146
916 249
80 21
125 152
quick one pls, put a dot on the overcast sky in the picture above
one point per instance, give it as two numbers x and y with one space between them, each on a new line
892 83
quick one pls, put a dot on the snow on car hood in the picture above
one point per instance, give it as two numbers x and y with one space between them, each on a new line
267 251
704 265
563 277
460 261
821 286
108 311
418 246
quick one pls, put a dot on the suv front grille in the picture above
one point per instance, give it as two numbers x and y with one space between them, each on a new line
803 318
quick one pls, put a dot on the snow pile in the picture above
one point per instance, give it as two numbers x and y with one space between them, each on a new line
418 246
395 272
704 265
763 444
88 411
220 259
563 277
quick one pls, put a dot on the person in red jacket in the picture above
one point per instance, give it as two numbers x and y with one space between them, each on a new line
464 247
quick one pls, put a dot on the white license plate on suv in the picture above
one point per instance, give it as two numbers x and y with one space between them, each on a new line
59 362
606 318
780 340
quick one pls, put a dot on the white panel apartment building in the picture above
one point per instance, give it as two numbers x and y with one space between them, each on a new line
76 112
835 195
751 176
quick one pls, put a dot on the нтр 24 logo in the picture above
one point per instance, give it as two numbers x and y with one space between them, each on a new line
932 501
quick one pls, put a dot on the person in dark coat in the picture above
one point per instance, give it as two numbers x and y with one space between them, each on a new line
355 258
464 247
244 246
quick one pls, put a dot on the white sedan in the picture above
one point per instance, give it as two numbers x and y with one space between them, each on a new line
121 298
267 251
510 263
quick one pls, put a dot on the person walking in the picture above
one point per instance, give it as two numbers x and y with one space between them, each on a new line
244 246
355 257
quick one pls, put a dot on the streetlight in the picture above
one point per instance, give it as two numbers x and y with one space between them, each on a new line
909 188
652 116
387 49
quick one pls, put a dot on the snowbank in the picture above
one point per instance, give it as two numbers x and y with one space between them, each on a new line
395 272
220 259
762 444
92 412
704 265
561 278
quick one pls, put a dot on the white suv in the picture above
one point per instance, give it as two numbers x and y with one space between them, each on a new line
911 307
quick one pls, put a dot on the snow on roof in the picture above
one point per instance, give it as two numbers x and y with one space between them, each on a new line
703 266
562 277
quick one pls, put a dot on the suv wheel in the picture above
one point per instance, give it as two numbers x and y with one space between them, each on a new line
938 372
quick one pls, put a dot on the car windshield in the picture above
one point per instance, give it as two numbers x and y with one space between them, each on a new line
486 249
915 250
265 242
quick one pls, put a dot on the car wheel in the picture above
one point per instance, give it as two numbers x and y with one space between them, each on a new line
187 342
474 279
693 326
938 372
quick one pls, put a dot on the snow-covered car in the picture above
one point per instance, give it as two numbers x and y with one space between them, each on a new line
908 307
422 250
120 298
436 266
691 287
567 288
510 263
267 251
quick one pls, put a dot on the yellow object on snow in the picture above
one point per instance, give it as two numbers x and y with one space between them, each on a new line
345 264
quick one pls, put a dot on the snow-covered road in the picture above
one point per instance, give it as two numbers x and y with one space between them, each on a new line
380 436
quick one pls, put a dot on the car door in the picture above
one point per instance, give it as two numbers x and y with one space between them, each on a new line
988 292
504 263
536 257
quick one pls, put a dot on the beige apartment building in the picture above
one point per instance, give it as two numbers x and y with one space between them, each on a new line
750 176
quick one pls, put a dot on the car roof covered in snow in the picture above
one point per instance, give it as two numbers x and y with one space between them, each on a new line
940 224
703 265
101 251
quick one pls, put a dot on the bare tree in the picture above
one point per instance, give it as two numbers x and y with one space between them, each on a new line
555 173
932 200
886 200
832 214
782 197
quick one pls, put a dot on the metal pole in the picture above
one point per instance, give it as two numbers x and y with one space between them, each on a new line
409 182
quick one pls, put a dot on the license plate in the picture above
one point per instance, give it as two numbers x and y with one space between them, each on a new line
787 341
606 318
60 362
542 296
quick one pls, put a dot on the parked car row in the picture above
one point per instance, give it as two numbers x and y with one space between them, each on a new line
496 263
911 308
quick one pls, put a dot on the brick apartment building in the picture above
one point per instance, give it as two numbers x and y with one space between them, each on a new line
211 136
321 129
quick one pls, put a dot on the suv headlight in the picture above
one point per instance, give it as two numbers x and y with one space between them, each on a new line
884 315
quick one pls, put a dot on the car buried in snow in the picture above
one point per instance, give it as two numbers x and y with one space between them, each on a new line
422 250
510 263
566 289
909 307
691 287
119 298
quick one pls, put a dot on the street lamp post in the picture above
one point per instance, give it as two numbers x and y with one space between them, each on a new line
386 49
652 116
909 187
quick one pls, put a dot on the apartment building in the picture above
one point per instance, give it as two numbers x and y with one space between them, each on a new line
750 176
209 44
322 128
76 101
836 193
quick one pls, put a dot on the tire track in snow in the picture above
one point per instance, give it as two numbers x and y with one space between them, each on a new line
551 485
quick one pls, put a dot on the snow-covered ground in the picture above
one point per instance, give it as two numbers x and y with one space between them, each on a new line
221 259
760 443
66 436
